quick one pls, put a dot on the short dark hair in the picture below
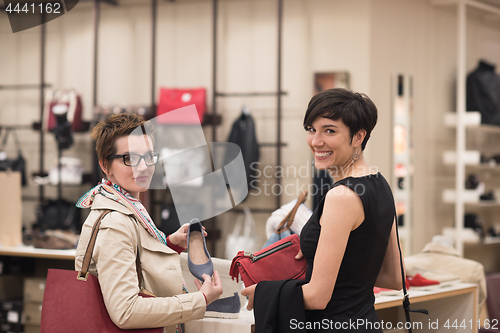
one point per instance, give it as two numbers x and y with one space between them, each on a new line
107 131
356 110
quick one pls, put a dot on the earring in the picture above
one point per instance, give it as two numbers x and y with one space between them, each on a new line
355 156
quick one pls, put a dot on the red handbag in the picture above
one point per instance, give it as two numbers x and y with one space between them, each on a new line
72 100
274 262
73 301
173 99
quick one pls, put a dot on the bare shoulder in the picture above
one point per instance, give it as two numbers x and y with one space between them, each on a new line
343 204
342 195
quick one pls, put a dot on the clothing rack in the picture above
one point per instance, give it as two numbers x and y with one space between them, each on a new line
213 119
41 87
24 86
278 93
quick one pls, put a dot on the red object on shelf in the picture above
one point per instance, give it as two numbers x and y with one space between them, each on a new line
419 281
173 99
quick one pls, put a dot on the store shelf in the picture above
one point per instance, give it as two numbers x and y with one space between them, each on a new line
491 240
31 252
486 241
484 167
470 157
469 196
466 122
472 121
472 160
483 6
482 204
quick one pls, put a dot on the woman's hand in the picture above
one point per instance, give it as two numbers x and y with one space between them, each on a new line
211 288
179 237
250 293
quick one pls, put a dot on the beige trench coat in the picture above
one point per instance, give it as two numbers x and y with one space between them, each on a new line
113 262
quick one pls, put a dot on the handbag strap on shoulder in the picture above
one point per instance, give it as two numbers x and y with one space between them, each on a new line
82 275
138 267
90 246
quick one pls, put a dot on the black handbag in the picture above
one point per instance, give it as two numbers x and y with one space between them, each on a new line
59 214
13 164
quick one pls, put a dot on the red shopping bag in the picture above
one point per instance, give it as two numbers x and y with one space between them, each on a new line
176 98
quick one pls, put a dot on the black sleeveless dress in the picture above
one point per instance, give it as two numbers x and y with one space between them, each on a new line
351 306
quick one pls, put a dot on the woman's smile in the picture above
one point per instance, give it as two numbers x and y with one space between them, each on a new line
322 155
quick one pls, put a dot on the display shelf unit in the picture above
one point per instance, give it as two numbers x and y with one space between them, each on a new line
486 241
402 156
462 120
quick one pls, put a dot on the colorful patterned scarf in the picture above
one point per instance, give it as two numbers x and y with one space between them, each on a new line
120 195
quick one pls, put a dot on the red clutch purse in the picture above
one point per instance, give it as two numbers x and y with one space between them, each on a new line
275 262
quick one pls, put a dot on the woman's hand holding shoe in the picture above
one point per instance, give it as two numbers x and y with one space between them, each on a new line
211 288
179 237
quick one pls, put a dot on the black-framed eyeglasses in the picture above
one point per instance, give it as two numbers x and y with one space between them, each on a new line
132 159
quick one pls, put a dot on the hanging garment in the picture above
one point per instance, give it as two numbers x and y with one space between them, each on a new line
72 100
243 134
483 93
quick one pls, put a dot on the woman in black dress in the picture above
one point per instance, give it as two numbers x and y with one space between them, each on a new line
350 242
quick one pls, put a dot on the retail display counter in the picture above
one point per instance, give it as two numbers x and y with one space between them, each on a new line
31 252
451 308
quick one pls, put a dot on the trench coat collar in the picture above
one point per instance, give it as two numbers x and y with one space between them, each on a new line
101 202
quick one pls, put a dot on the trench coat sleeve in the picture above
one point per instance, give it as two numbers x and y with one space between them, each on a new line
115 257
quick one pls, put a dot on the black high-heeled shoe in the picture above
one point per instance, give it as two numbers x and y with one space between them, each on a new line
199 260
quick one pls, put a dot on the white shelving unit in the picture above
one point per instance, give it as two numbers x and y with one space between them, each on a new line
402 155
464 121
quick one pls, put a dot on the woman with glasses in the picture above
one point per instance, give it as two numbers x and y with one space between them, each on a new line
125 150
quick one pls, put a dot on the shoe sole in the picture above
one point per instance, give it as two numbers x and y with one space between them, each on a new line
213 314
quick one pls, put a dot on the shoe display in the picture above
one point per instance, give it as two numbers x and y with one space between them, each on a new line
199 261
442 277
386 292
418 282
228 308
